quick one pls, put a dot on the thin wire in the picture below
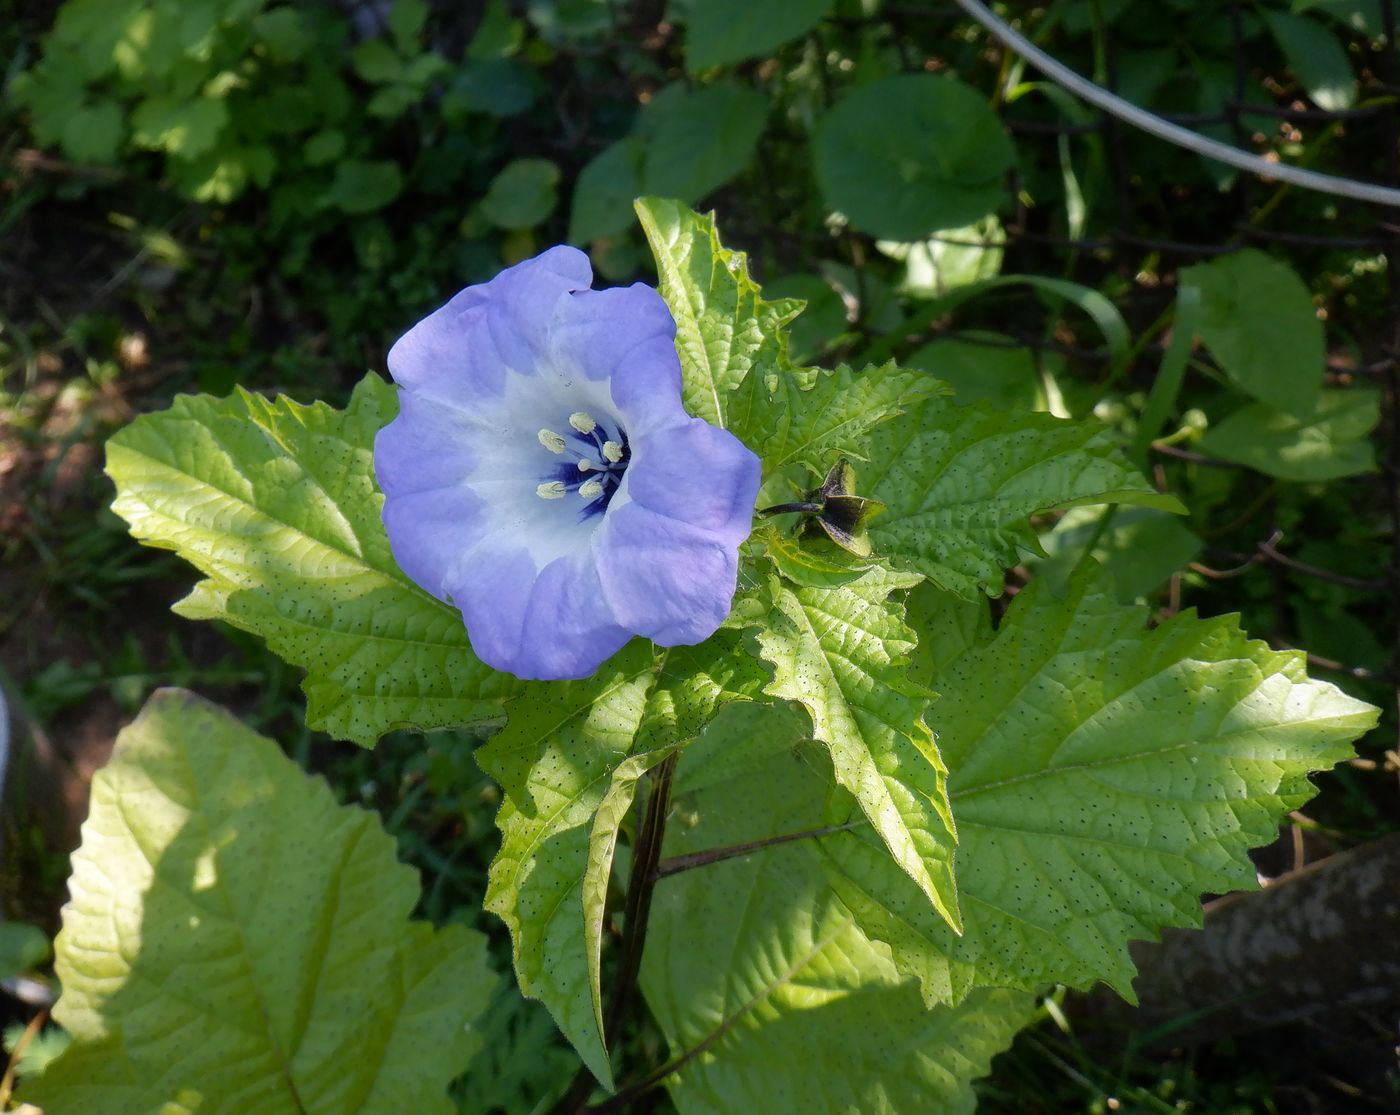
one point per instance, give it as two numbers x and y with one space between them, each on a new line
1164 129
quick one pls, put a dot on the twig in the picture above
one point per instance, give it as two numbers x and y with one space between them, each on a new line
676 864
1267 548
7 1082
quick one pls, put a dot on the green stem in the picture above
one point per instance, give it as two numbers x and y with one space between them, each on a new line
646 854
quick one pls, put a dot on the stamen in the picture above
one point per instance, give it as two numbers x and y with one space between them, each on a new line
612 451
553 489
582 421
585 464
591 489
551 441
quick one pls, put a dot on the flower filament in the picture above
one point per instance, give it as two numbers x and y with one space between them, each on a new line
593 460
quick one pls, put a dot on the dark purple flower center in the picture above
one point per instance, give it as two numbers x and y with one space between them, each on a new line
591 457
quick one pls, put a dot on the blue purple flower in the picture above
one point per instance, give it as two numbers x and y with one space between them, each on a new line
544 477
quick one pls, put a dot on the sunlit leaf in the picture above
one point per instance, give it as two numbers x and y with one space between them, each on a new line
277 970
755 959
840 652
724 330
960 485
1118 774
276 504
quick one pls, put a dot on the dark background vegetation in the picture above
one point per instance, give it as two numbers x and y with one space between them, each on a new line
370 159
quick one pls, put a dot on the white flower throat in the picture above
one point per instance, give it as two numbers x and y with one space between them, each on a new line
593 459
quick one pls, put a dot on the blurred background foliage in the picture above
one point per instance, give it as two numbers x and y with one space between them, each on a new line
198 193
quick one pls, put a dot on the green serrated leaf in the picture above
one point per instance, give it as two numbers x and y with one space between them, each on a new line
568 759
725 331
814 563
593 715
567 740
756 960
277 970
841 653
960 483
188 128
1119 774
809 421
276 504
602 845
1259 323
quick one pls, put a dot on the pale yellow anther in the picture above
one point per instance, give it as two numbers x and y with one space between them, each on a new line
612 451
553 489
585 464
582 421
551 441
591 489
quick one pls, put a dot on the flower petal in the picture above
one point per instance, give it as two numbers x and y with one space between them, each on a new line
599 329
464 350
666 580
430 516
544 476
550 625
697 474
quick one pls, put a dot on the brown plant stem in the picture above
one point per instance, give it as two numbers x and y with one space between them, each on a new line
677 864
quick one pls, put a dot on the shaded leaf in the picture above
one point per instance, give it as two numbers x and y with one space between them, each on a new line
1139 549
758 960
997 370
364 185
697 140
1331 442
522 194
604 191
720 32
1259 323
92 133
22 947
912 154
1316 58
